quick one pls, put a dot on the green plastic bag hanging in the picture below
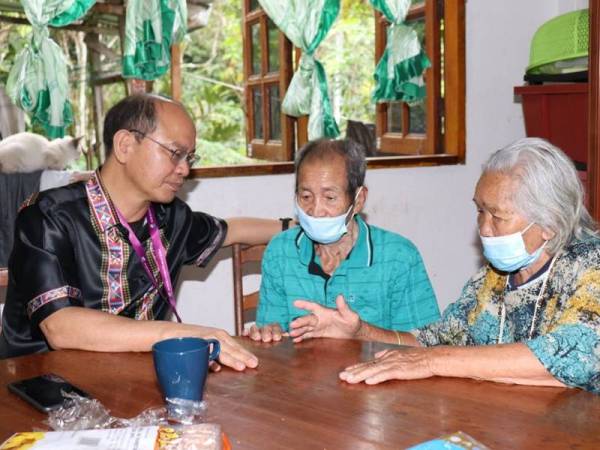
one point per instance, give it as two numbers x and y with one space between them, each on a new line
306 24
38 81
73 10
39 84
151 27
399 73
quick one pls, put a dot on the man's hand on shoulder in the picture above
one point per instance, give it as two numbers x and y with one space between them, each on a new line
341 322
268 333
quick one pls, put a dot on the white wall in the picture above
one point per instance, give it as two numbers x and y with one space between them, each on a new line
431 206
571 5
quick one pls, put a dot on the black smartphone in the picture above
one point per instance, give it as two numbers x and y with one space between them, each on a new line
44 392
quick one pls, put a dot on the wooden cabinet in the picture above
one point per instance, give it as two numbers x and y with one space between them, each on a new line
558 113
593 111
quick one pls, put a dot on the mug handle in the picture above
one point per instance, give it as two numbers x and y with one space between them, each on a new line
216 349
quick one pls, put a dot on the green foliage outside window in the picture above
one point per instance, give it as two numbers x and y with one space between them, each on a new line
212 86
348 57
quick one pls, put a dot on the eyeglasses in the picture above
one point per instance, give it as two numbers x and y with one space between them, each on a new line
176 155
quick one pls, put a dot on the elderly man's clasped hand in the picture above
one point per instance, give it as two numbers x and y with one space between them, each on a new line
341 322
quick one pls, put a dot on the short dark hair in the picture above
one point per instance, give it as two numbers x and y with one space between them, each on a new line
352 152
134 112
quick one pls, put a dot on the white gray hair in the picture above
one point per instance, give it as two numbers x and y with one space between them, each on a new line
549 191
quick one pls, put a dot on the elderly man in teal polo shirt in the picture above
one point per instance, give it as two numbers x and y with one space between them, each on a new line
336 268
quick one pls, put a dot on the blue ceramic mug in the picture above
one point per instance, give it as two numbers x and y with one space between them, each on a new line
181 365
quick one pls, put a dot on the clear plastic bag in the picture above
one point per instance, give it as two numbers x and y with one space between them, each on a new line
81 413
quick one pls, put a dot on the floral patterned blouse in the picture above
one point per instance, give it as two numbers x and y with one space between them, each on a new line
566 333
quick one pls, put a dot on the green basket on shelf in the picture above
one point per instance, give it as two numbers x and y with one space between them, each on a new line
561 44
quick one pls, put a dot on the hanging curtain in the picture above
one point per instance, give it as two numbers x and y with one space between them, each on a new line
399 73
306 23
151 26
38 81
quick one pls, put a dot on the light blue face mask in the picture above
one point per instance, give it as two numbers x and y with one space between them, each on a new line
508 253
325 230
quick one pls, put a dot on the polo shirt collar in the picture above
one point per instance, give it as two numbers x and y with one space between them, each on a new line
361 254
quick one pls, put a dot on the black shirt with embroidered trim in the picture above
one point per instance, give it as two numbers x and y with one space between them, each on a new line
63 257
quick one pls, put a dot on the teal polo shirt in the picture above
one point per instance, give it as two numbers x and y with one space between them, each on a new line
383 279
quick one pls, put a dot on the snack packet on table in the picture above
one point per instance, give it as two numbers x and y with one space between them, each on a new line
454 441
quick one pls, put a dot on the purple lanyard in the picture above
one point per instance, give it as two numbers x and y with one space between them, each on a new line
159 251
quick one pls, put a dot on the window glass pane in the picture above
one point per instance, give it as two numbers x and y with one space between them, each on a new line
419 26
417 118
275 112
273 46
256 50
253 5
420 29
258 119
394 117
348 63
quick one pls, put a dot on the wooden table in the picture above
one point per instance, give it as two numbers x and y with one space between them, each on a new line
295 400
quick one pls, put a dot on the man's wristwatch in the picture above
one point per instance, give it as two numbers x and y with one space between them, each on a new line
285 222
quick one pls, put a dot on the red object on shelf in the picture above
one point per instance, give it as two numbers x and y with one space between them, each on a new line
558 113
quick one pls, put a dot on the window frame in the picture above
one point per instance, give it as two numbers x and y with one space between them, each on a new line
443 149
405 142
265 147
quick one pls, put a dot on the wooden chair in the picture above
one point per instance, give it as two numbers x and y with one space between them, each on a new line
3 277
3 284
244 303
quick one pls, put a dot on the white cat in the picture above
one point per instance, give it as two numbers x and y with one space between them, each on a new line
28 152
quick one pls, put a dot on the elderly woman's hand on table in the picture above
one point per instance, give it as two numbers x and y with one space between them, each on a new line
505 363
410 363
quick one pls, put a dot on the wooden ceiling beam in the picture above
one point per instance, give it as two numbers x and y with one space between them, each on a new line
100 48
107 8
73 27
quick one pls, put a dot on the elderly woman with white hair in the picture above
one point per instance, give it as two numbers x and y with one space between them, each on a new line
530 316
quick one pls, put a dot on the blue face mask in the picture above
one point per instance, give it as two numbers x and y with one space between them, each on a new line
325 230
508 253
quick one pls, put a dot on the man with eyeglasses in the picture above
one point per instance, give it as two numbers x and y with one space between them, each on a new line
94 263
